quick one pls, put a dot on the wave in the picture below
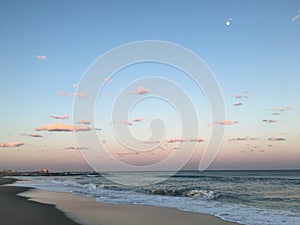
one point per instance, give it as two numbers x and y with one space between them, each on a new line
205 194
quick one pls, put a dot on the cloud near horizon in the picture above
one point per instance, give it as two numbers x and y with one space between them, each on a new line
127 123
76 148
32 135
227 122
174 140
243 139
11 144
63 127
86 122
276 139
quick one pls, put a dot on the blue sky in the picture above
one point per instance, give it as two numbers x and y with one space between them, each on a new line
259 52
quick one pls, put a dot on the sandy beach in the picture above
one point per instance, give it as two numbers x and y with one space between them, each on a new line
86 211
16 210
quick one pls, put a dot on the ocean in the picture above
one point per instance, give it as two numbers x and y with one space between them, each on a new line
246 197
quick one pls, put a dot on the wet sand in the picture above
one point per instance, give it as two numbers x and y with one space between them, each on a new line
37 208
17 210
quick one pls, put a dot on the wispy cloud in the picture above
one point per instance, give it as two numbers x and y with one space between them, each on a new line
106 79
297 17
275 114
227 122
63 127
80 95
238 104
120 154
32 135
243 139
174 140
276 139
40 57
235 95
142 91
76 148
62 93
196 140
151 142
244 95
86 122
281 109
62 117
11 144
127 123
137 119
269 121
76 94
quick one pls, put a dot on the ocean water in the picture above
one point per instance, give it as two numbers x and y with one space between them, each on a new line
246 197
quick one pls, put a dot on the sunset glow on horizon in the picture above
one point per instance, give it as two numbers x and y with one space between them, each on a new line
251 48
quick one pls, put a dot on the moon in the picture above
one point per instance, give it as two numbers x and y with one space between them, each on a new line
228 22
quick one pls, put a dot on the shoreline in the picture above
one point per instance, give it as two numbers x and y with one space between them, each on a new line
86 211
16 209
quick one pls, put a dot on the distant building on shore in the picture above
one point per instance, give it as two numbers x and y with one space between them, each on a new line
44 170
7 172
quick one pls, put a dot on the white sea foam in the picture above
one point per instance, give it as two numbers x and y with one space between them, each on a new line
194 203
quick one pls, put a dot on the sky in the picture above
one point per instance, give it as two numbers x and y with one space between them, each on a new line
251 47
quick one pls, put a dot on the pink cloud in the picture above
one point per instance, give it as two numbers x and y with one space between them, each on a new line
276 139
62 93
80 95
142 91
84 122
75 85
11 144
63 127
137 119
121 153
227 122
76 94
106 79
63 117
127 123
